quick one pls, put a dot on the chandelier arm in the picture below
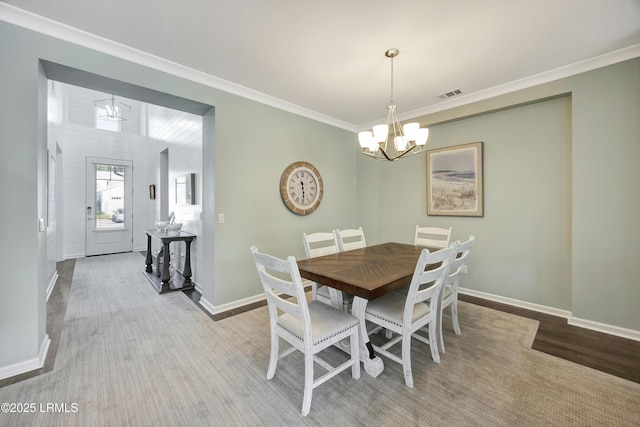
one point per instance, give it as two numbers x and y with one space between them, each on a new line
399 156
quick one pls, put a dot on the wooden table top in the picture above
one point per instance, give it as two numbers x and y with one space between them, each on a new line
368 272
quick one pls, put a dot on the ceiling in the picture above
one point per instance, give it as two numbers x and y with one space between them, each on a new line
328 56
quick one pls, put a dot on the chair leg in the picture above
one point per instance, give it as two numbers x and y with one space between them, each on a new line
454 317
314 291
273 358
355 355
439 334
308 382
406 358
433 342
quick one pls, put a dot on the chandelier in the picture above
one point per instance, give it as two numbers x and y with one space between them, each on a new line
393 140
110 109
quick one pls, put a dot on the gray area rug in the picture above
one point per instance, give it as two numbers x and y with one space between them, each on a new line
129 356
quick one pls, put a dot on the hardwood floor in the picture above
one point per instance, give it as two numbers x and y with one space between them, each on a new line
607 353
56 309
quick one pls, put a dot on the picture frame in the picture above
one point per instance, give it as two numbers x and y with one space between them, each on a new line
455 180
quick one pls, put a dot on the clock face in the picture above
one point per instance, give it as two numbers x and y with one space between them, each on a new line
301 188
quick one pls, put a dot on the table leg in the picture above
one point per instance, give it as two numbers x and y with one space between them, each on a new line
336 298
373 365
165 267
149 259
186 272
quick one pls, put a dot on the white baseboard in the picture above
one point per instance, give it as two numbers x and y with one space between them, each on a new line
52 284
231 305
571 320
27 365
517 303
607 329
73 256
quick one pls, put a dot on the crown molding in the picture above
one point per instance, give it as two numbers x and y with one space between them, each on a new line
589 64
49 27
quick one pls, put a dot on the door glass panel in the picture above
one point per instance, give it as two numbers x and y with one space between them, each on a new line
109 196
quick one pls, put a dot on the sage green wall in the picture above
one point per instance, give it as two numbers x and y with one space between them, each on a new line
252 145
527 167
561 174
247 189
22 159
606 198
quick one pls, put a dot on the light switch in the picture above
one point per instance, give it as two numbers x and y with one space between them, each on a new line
221 218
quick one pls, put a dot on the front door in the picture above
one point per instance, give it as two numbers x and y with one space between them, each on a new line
109 206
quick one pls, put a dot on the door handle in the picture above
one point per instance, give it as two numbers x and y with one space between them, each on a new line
89 210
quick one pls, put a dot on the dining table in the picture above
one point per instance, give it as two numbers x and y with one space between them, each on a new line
366 273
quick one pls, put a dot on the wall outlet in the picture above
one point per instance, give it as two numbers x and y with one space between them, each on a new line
221 218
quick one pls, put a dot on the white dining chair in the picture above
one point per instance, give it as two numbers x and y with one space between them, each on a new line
309 327
352 238
433 237
450 289
319 244
406 314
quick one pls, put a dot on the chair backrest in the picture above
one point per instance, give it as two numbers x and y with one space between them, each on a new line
459 262
319 244
432 270
281 280
433 237
350 239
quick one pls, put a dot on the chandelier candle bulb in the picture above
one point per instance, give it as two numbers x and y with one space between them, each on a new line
380 132
410 130
422 135
365 138
400 142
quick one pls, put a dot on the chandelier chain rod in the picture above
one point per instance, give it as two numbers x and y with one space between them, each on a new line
392 80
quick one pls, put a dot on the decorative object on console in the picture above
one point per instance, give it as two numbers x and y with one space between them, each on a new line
174 228
163 226
301 188
408 140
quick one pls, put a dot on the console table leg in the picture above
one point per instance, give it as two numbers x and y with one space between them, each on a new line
187 262
149 259
165 267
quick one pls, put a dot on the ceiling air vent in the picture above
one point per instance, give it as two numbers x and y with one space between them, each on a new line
450 94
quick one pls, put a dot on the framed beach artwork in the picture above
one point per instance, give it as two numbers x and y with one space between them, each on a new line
454 181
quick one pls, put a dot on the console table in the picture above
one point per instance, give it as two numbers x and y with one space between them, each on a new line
166 283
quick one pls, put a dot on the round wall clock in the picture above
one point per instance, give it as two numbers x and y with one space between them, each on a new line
301 188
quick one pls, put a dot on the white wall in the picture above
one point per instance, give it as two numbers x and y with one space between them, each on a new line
82 142
180 134
54 141
148 130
